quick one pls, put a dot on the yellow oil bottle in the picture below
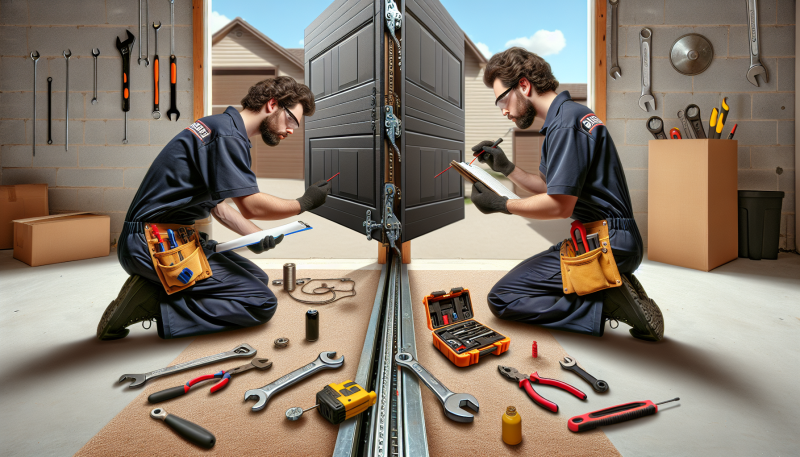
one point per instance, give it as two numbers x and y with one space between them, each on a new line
512 426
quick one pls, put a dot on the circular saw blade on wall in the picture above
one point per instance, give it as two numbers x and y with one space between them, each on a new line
691 54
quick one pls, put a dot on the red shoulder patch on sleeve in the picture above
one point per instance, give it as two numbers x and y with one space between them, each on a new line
199 129
589 122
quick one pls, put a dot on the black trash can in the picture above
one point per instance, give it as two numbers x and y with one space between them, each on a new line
759 223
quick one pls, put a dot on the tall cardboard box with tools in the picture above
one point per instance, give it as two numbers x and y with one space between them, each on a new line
20 202
61 238
693 203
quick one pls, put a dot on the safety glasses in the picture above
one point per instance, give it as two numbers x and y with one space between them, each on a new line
291 121
503 99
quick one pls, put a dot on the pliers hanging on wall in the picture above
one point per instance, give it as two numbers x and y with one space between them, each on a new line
526 381
173 392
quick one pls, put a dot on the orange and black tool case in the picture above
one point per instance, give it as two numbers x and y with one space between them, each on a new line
455 333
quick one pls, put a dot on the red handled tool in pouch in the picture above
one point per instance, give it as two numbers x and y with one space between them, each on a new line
577 227
157 234
526 381
614 415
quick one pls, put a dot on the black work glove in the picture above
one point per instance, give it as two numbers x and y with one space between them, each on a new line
315 195
211 245
495 157
487 201
269 242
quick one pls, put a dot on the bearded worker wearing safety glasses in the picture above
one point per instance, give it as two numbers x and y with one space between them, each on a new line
205 164
580 177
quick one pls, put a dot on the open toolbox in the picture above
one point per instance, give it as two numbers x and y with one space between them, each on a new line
455 333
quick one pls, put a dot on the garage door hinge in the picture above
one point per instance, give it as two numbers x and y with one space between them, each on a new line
390 225
394 20
392 124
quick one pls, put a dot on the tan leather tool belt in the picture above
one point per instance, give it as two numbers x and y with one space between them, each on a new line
593 271
179 267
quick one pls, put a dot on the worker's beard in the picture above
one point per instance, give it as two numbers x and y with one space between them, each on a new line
528 113
269 129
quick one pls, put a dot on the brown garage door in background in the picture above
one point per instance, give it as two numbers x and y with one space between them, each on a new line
228 87
527 154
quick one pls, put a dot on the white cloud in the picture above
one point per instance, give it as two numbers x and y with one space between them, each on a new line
302 42
484 49
217 21
543 42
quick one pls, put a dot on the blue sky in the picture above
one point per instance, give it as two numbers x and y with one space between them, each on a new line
555 30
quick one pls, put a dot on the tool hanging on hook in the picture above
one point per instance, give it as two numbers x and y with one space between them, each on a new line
35 58
49 109
146 57
95 53
156 69
67 55
125 49
173 67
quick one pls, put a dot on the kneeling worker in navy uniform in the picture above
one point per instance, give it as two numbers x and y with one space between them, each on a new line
205 164
580 176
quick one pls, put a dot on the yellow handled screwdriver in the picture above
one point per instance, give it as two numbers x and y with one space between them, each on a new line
723 116
712 124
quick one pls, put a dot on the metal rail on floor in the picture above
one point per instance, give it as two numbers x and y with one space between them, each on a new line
395 425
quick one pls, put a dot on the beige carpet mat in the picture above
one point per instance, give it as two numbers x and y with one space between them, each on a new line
343 328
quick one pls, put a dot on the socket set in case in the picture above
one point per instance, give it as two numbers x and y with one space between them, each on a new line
455 333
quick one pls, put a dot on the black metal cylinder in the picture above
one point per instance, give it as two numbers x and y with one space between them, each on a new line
312 325
288 277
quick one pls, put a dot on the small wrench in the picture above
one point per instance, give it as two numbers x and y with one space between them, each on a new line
35 58
690 134
242 350
95 53
615 71
325 361
67 55
755 61
452 403
571 365
645 37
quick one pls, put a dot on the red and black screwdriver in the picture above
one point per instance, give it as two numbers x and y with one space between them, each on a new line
614 415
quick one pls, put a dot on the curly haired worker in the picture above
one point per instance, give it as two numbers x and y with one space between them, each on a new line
205 164
580 176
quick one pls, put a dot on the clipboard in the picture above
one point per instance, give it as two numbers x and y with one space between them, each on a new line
476 174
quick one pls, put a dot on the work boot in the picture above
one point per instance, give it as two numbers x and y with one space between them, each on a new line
138 301
630 304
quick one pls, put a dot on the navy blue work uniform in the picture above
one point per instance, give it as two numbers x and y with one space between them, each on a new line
203 165
578 158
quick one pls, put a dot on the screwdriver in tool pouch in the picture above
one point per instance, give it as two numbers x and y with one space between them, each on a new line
173 243
160 244
614 415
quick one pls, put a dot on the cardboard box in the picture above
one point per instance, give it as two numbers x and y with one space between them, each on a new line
20 202
693 203
61 238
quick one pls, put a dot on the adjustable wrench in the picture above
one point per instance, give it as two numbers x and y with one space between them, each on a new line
325 361
125 49
755 61
615 72
173 67
95 53
242 350
35 58
645 37
67 56
452 403
571 365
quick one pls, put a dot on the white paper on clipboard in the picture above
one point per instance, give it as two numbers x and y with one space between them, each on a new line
253 238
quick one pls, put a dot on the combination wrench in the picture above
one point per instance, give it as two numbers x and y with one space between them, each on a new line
452 403
156 79
755 60
645 37
35 58
67 55
173 67
690 134
325 361
571 364
146 57
242 350
95 53
615 71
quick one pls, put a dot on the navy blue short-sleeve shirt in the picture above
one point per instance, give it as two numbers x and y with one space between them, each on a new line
203 165
579 158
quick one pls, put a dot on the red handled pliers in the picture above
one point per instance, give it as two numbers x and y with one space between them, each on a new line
578 226
526 381
172 392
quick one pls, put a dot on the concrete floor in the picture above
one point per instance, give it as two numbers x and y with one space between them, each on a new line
732 354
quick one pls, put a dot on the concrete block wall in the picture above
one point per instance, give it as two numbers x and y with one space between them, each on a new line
98 173
765 114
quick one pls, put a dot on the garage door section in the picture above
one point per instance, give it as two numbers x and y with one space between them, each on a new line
433 118
341 137
351 64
